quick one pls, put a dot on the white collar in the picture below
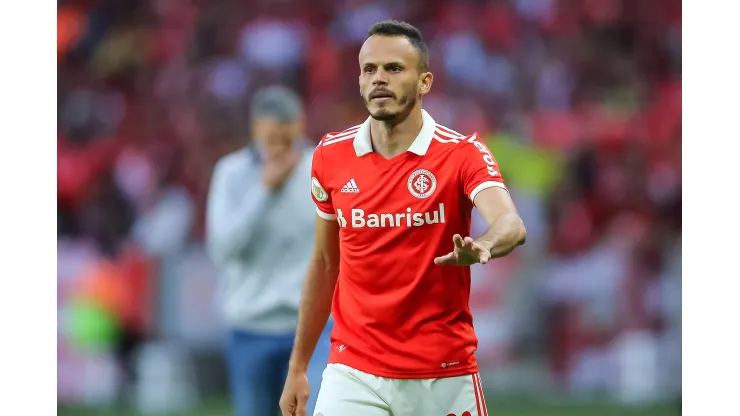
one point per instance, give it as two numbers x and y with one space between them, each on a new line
363 145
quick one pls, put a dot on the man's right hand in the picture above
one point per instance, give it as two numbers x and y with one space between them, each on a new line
277 171
295 394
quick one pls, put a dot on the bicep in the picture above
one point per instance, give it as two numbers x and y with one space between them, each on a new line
493 203
479 169
326 242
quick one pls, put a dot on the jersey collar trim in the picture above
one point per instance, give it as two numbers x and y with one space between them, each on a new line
363 145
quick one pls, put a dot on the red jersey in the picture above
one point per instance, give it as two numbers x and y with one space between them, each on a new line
396 313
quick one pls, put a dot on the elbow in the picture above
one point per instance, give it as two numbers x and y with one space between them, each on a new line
330 269
326 266
521 232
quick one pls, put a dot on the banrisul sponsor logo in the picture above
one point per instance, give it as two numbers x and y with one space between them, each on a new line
358 218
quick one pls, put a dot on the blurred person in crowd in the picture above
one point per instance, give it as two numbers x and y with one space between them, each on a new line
260 227
395 196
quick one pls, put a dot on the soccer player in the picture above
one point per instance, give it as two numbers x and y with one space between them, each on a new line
391 252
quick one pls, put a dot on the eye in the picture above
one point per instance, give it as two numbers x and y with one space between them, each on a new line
395 68
369 70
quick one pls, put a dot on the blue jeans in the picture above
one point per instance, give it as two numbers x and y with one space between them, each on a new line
258 366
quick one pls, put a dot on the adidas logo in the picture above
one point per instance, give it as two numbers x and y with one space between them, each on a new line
350 187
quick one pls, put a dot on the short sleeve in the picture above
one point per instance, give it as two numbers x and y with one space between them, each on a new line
479 168
321 196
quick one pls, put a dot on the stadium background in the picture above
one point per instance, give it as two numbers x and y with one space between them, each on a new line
580 101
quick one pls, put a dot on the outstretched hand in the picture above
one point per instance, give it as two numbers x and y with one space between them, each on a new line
466 252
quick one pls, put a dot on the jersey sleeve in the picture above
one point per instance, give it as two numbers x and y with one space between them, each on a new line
320 194
479 168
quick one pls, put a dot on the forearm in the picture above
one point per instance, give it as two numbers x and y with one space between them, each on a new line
314 311
505 234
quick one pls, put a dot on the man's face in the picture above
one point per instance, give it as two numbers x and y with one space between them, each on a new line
390 81
273 138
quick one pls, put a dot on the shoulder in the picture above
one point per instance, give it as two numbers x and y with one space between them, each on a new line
307 157
238 160
447 139
337 141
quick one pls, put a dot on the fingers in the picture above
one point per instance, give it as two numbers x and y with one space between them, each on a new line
481 252
293 410
286 409
466 251
465 244
294 407
458 241
445 260
484 257
302 399
468 244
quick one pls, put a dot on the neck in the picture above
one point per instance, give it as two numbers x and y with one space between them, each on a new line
390 139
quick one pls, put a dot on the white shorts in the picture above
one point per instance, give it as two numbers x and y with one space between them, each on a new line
348 392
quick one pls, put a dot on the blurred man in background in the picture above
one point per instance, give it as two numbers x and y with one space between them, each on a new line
260 226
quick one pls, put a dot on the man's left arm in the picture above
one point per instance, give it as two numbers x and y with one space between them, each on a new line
482 183
506 229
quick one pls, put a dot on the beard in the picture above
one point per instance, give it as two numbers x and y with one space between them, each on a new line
405 104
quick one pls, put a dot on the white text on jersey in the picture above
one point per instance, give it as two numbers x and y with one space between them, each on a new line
350 187
358 218
487 156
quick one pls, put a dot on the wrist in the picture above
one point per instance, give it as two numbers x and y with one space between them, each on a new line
295 367
486 244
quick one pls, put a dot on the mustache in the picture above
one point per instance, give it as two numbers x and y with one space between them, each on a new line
380 92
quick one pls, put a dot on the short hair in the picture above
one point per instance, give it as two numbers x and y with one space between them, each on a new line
408 31
277 101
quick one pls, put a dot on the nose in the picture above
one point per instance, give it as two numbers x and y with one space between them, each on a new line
380 78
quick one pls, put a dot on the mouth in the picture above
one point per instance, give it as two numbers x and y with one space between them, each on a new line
381 96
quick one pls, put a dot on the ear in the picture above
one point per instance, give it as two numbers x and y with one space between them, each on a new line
425 82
